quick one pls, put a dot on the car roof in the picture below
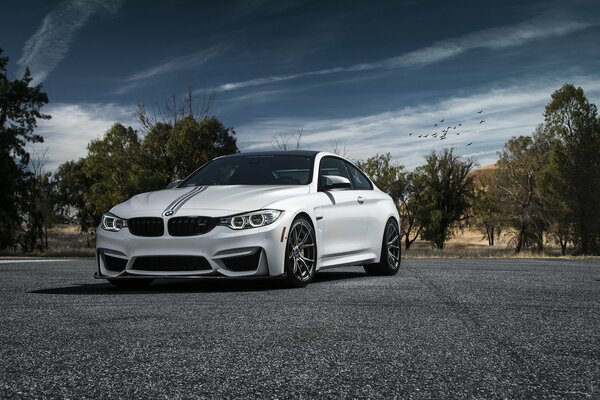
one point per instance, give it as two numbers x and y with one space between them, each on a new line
304 153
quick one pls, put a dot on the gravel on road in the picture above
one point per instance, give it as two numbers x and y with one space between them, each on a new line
441 328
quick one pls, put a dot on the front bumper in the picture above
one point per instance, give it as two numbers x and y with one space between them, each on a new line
222 252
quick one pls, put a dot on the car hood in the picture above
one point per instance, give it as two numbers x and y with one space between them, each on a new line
211 201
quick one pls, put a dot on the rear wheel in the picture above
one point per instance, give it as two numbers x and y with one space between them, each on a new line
389 261
131 284
300 253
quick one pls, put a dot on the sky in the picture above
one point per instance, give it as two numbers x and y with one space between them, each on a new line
367 77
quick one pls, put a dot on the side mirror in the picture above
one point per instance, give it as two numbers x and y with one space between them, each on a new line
174 183
331 182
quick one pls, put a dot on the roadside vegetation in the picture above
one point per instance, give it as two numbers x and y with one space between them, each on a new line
542 197
544 189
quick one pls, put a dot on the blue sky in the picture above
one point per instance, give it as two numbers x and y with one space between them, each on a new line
363 75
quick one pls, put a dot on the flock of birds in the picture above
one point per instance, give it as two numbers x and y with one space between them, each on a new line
442 134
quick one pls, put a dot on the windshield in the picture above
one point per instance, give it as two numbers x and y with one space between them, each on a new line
254 170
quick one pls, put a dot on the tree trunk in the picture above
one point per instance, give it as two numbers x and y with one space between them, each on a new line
540 242
584 249
439 243
520 240
46 237
408 241
489 230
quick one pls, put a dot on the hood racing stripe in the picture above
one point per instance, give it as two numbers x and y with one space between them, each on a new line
181 198
180 201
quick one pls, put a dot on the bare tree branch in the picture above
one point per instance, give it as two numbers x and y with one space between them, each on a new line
38 160
282 141
341 149
172 111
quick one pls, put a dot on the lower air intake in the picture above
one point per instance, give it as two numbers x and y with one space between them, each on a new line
243 263
115 264
171 263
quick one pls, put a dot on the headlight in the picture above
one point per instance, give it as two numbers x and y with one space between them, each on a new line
112 223
252 219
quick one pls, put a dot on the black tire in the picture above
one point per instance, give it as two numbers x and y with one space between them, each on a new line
300 253
131 284
389 262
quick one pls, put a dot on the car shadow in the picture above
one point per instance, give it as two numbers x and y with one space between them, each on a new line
327 276
199 285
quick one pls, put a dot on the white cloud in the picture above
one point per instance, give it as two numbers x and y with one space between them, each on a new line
509 111
495 38
271 79
72 127
182 63
50 43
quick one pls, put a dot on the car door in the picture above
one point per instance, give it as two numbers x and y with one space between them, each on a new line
345 216
371 201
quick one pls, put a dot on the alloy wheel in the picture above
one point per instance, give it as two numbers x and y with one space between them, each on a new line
393 246
302 250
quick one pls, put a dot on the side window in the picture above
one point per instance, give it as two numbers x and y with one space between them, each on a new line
333 166
359 180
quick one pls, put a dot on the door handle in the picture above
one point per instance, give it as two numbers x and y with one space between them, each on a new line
360 199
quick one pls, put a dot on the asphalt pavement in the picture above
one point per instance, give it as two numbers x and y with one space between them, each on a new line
441 328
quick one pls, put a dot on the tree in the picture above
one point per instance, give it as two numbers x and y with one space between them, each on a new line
340 148
443 189
173 152
411 224
73 204
574 164
194 143
519 168
40 212
156 157
557 213
39 205
179 139
487 212
121 164
112 167
173 111
285 142
20 106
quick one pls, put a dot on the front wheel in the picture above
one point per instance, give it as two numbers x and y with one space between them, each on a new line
300 253
389 261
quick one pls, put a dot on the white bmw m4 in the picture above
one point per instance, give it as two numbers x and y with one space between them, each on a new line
270 214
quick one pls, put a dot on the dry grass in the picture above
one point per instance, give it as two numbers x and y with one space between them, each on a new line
472 244
461 250
63 241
